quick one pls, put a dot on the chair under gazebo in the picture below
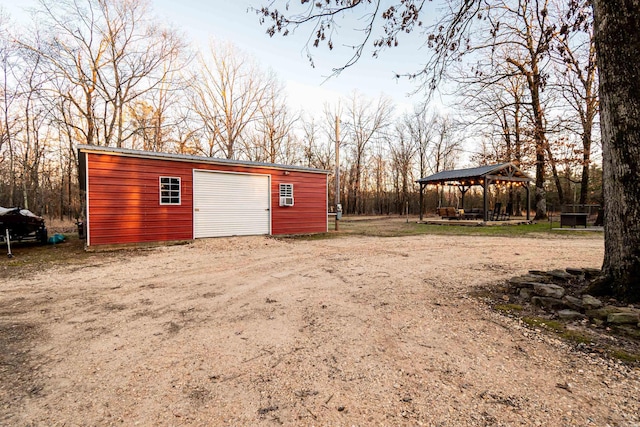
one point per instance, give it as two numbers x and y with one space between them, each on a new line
483 176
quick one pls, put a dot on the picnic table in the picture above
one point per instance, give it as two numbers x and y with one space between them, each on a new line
571 219
473 214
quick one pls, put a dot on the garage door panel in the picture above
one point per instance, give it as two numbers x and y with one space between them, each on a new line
227 204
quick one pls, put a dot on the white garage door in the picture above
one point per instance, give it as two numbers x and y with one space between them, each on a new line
230 204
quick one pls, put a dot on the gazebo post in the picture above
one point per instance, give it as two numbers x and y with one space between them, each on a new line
463 191
528 203
485 199
421 199
462 201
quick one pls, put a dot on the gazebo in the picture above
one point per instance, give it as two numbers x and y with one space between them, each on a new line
483 176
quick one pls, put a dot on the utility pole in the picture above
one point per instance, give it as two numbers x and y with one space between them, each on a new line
337 180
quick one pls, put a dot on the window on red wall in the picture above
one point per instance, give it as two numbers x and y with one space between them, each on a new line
169 190
286 194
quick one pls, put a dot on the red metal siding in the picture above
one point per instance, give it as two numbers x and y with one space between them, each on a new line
124 201
309 212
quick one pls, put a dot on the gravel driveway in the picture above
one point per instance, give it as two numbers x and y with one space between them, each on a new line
260 331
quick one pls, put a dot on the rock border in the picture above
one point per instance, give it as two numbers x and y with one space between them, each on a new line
560 292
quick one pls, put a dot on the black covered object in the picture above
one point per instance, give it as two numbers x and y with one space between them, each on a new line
22 224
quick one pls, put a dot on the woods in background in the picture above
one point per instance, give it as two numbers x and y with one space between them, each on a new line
104 72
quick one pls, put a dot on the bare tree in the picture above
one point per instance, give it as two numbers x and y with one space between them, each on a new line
110 54
365 121
419 125
578 83
318 152
516 36
516 32
274 139
376 184
155 118
445 148
10 123
186 136
25 115
403 148
496 111
74 78
31 142
228 94
614 20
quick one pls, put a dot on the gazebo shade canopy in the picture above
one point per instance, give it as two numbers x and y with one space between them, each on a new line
483 176
502 172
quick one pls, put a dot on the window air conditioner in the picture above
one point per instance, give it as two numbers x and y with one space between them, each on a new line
286 201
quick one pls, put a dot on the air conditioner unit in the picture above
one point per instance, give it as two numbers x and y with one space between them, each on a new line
286 201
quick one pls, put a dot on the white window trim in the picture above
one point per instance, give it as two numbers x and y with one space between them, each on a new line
179 190
288 188
285 191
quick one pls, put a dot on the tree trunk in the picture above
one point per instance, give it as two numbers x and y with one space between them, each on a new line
517 155
586 163
541 143
556 177
618 43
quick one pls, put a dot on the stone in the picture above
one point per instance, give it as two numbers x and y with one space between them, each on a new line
630 330
547 302
529 285
515 281
560 274
526 279
603 312
623 318
591 272
573 302
548 290
538 272
590 302
541 277
570 315
574 271
525 293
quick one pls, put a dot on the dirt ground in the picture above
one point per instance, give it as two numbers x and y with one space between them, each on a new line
262 331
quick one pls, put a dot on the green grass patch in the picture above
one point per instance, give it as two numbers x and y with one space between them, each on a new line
32 256
508 308
625 356
548 324
311 237
557 327
394 226
579 337
576 337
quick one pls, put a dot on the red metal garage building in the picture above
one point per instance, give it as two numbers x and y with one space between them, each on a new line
137 196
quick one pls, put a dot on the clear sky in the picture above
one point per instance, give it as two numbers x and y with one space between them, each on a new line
307 87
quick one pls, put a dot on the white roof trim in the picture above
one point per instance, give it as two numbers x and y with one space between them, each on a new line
189 158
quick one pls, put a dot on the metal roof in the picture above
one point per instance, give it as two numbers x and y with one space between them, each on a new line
190 158
506 172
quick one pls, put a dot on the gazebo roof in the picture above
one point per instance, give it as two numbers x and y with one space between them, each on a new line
502 172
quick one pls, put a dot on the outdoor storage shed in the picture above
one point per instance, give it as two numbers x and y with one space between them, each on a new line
136 196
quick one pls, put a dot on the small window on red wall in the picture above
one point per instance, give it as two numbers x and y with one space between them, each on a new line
169 190
286 194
